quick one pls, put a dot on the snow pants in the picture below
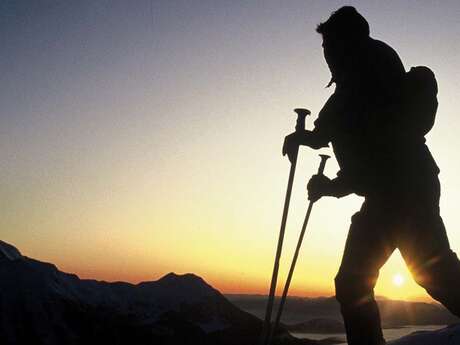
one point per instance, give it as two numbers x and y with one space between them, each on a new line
405 218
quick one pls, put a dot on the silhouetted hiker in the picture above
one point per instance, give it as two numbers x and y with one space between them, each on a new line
382 156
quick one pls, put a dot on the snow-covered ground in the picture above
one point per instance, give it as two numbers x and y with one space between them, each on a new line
445 336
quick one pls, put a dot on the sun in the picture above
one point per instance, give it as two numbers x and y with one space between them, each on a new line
398 280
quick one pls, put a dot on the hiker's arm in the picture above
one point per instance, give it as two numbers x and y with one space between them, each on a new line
313 139
320 185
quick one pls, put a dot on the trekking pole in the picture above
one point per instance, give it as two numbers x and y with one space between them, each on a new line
300 126
322 164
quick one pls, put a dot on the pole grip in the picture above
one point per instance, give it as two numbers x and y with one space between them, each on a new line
301 115
322 164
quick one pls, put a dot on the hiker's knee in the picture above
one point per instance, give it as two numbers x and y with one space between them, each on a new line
354 289
440 277
438 273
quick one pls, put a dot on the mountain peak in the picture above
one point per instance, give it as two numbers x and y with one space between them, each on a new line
186 276
9 252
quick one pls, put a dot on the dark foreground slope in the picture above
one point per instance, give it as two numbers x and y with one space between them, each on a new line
41 305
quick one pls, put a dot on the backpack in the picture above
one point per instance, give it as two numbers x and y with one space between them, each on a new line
420 100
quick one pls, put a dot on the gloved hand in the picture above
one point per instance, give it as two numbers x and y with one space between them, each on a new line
319 186
292 142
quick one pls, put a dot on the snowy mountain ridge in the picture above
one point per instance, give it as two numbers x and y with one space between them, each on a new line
41 305
8 252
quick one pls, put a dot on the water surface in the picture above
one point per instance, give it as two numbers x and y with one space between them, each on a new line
389 333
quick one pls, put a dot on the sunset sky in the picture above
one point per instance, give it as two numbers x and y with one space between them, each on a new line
143 137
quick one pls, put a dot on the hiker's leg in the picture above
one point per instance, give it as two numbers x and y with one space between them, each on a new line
433 264
426 250
367 248
441 279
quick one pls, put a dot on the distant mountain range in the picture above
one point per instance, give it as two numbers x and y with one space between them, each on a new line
322 315
41 305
